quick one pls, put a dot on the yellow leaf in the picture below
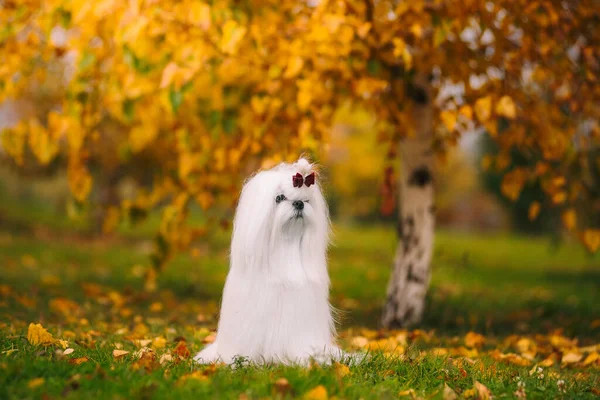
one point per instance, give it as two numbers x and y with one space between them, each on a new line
36 334
168 74
294 67
141 136
33 383
304 99
506 107
483 108
449 119
200 15
513 183
571 358
417 30
559 198
360 341
534 210
407 392
466 111
119 353
196 376
401 50
483 391
233 34
548 362
40 142
13 141
591 239
341 370
569 219
80 182
363 30
592 357
317 393
159 343
473 339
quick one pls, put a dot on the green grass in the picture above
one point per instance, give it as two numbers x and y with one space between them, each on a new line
498 286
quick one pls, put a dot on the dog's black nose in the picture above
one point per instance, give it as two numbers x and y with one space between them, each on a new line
298 205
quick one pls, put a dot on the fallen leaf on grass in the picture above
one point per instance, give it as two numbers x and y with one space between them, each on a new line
159 343
63 306
165 358
407 392
181 350
571 358
36 334
282 386
194 376
341 370
147 362
32 384
591 358
510 358
317 393
483 391
448 393
68 351
119 353
473 339
360 342
77 361
209 339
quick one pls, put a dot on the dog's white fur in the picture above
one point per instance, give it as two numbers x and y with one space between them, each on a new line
275 306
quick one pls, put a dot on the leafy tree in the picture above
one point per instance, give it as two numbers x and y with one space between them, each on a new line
203 92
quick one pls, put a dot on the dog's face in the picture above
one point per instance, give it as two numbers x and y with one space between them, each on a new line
281 204
296 207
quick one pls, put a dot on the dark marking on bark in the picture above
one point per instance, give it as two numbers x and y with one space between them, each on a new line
420 177
408 314
407 233
432 209
413 277
417 94
391 303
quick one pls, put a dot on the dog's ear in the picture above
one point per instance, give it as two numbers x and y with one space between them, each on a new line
251 233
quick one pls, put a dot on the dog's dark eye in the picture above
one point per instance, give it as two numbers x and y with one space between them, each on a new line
279 198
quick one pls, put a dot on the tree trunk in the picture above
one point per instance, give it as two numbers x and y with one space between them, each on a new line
412 264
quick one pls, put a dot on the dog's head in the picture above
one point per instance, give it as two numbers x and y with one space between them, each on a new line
279 206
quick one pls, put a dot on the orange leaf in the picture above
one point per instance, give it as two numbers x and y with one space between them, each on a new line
77 361
534 210
182 350
569 219
506 107
483 108
317 393
591 239
449 119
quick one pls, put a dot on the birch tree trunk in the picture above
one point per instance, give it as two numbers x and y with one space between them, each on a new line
411 273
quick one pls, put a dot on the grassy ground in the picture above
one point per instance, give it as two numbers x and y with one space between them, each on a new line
505 314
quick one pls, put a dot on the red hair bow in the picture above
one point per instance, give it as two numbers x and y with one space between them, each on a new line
298 180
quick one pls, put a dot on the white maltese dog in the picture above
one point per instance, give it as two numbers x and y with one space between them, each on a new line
275 306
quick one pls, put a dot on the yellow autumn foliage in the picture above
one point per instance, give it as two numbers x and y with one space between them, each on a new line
192 96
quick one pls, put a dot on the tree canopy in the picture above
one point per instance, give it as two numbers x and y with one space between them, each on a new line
193 95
